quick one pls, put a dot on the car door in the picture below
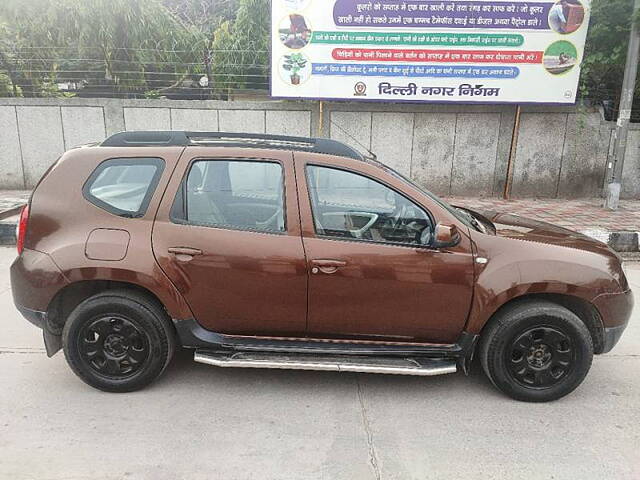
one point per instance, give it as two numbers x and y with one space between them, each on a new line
227 234
370 277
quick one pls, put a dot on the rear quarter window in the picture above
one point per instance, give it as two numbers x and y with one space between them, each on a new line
124 186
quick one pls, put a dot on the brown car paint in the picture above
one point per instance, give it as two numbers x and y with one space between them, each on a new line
257 284
385 291
243 283
61 221
107 244
35 280
528 257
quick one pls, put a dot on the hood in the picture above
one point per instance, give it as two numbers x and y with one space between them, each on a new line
521 228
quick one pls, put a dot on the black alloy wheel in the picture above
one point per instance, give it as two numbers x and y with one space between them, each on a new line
119 340
113 346
540 357
535 350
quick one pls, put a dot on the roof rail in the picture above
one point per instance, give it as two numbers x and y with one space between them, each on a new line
281 142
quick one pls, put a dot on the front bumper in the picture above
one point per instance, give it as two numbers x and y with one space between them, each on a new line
615 310
612 336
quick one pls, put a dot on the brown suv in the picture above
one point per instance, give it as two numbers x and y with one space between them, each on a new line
285 252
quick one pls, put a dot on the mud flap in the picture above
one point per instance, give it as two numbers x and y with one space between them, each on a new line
52 343
469 349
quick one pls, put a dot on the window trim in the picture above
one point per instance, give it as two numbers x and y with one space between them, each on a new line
373 179
179 204
157 162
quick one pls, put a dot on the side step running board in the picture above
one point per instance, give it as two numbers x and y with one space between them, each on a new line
334 363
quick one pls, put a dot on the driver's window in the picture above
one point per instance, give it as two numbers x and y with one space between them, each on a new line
351 206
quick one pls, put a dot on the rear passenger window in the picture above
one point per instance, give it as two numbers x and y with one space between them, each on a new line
235 194
124 186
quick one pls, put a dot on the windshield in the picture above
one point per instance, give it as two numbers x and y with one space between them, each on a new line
461 215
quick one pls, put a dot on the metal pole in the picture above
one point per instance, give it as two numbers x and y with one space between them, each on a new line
624 117
321 119
512 154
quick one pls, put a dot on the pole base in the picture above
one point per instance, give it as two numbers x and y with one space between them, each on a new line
612 200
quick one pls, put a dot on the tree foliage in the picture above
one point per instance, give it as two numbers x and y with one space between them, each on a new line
204 15
606 49
241 47
152 46
122 44
71 40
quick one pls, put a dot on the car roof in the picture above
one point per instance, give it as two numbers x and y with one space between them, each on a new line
227 139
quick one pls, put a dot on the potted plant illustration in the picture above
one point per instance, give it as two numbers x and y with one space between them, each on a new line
294 63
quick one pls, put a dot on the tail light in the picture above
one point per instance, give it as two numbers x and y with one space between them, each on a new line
21 230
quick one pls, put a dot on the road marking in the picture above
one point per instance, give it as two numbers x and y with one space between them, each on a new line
373 459
22 350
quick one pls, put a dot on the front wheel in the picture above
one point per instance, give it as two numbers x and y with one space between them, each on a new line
536 351
118 341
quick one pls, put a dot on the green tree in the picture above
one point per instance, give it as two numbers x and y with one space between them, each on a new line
606 49
241 47
205 15
29 51
131 44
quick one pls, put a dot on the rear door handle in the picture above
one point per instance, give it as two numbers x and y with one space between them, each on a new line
184 253
327 266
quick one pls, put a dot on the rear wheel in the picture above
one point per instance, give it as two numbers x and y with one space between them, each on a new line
536 351
118 341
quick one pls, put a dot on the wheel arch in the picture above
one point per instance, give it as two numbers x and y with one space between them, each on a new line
582 308
71 295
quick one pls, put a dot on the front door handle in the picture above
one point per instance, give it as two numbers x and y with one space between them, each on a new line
326 266
184 254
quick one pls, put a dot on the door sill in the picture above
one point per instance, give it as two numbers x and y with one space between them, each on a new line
193 335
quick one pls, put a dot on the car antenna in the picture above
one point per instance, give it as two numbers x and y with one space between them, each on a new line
371 156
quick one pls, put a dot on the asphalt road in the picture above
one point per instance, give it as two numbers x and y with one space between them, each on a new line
199 422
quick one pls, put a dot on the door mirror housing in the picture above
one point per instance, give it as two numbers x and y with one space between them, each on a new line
445 236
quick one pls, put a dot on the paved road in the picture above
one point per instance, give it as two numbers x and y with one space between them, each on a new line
199 422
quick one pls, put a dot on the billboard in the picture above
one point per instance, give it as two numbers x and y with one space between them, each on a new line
458 51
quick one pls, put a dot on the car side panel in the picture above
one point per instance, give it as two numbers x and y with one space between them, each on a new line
35 280
244 282
62 220
386 292
516 268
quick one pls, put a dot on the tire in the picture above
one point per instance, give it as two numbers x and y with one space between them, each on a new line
118 341
536 351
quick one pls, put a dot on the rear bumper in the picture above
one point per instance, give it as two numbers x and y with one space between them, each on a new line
52 341
39 319
35 279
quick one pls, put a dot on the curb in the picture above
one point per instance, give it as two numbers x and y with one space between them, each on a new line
8 233
8 221
622 242
11 212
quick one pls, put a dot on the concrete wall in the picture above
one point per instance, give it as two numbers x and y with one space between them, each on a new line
463 150
452 150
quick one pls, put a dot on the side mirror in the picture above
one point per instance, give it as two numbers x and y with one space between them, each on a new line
445 236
